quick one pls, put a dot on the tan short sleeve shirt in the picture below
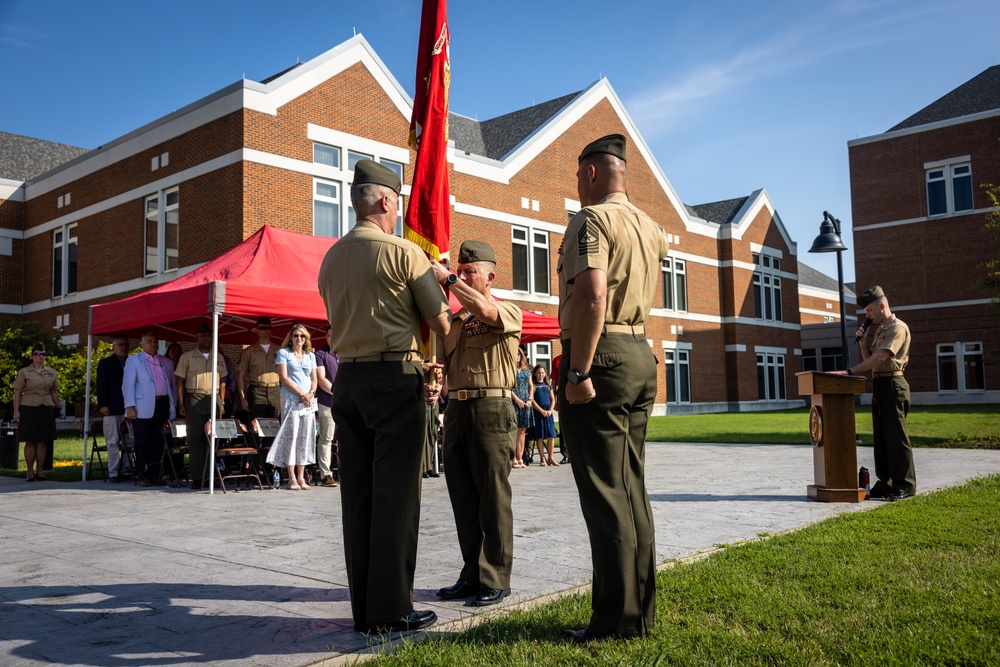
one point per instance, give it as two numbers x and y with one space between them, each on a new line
260 365
479 356
893 335
196 371
36 386
619 239
377 288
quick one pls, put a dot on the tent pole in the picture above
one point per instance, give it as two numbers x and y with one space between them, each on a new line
215 395
86 392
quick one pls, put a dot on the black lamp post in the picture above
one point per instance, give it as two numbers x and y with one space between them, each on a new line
829 241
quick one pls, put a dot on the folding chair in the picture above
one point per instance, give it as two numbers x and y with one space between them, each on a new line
126 448
174 446
262 432
231 443
97 429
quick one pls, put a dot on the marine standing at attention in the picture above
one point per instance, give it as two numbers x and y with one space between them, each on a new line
377 288
609 268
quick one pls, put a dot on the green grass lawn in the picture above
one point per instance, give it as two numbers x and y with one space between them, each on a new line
965 426
909 583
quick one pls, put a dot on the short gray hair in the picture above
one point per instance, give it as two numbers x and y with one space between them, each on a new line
365 196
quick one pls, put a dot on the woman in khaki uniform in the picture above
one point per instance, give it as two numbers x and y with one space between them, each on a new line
36 393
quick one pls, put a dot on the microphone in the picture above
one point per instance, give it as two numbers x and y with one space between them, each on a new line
864 329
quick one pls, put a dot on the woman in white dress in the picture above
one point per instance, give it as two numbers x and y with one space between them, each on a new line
294 446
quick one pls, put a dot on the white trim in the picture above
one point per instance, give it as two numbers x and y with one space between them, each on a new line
739 347
70 339
971 118
109 290
325 135
10 309
676 345
11 233
943 304
527 297
797 352
766 250
11 190
911 221
499 216
764 349
822 313
572 205
821 293
761 323
948 162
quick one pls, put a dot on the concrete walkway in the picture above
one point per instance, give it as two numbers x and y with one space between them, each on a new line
95 574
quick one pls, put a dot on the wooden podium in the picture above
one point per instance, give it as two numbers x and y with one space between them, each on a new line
832 433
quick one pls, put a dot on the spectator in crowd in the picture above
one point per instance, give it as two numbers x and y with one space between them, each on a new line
522 405
150 400
480 354
194 398
377 398
258 369
544 430
174 352
294 446
111 404
326 373
229 405
36 400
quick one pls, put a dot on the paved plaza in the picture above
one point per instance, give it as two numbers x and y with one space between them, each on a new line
114 575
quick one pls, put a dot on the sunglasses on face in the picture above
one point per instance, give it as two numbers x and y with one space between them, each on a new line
38 354
263 328
298 335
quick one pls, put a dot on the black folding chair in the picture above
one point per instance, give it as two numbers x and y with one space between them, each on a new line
235 456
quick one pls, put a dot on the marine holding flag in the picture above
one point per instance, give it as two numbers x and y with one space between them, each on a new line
428 216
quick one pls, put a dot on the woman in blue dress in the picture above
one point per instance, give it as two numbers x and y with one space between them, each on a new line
522 406
545 425
294 446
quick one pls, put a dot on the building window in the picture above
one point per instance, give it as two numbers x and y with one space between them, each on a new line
326 208
960 367
540 353
678 369
949 189
809 360
674 284
328 155
770 376
64 246
161 231
530 257
766 288
397 167
353 157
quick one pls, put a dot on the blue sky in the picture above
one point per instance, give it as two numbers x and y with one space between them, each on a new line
730 96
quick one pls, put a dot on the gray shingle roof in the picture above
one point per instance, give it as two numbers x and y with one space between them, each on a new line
981 93
721 212
495 138
810 277
23 158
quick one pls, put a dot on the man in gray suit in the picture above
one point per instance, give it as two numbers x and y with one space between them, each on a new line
150 400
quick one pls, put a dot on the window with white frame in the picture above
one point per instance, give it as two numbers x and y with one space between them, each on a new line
678 368
325 154
333 214
64 246
949 189
530 259
766 287
161 231
326 208
540 353
960 367
674 284
770 376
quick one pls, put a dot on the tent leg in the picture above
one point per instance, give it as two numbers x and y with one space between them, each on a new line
86 394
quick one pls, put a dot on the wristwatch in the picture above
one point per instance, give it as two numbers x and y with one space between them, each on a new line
452 279
576 377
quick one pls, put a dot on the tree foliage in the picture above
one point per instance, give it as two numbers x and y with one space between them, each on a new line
991 279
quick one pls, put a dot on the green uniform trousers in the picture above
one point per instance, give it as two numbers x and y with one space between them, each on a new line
479 437
893 453
606 439
197 413
380 415
264 401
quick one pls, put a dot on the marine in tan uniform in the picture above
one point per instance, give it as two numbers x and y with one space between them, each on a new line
194 398
885 350
480 427
377 288
258 370
609 267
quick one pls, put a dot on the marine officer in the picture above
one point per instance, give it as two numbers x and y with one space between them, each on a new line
257 368
194 398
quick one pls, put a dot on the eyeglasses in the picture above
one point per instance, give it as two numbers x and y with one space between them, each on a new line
38 354
298 335
263 328
121 344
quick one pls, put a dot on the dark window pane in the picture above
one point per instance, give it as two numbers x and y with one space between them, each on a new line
671 378
668 290
947 373
974 375
71 269
520 266
937 201
541 257
682 299
57 271
761 384
685 373
758 298
963 193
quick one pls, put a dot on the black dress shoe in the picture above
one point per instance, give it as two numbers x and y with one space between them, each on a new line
415 620
488 596
898 494
461 589
578 636
879 490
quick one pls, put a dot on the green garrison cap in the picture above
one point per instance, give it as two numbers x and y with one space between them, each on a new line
369 171
204 328
870 296
613 144
476 251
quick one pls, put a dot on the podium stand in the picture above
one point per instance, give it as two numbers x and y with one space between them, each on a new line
832 433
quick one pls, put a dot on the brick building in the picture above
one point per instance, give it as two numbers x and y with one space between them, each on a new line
819 312
160 201
919 219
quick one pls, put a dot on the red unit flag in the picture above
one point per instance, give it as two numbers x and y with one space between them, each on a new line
428 215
